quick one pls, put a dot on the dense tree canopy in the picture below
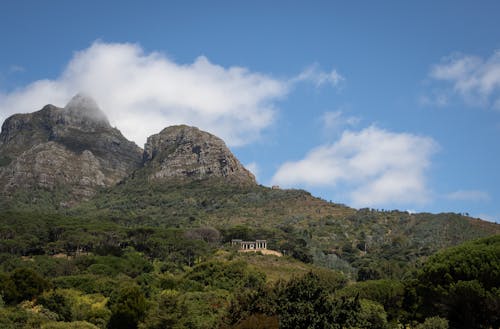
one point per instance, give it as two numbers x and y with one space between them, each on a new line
61 271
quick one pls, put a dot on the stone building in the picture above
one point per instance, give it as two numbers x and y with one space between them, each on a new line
249 245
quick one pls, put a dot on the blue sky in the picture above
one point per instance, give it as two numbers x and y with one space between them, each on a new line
386 104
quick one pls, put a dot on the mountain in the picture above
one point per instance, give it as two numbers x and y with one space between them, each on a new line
71 161
61 156
63 153
183 152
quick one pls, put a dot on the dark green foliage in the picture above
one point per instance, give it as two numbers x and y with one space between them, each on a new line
8 289
301 303
462 284
19 318
372 315
228 275
56 302
470 305
128 307
305 303
89 283
22 284
165 312
388 293
197 309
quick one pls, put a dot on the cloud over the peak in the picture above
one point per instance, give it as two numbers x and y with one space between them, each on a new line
375 166
475 79
142 93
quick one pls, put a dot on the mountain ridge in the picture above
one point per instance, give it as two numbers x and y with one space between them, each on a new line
74 149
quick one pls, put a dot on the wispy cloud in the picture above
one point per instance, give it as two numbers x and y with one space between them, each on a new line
141 93
319 78
438 98
376 166
468 195
475 79
337 119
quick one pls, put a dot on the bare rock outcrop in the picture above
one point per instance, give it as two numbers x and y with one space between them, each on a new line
187 153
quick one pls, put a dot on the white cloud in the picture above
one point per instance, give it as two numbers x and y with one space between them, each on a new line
142 93
468 195
254 169
336 119
318 77
376 166
475 79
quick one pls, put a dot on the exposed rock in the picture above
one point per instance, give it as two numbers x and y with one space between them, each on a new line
72 147
183 152
50 166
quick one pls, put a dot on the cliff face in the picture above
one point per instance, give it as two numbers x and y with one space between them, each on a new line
183 152
72 148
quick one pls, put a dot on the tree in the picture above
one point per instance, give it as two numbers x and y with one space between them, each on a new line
165 313
56 302
462 284
305 303
27 284
372 315
128 307
207 234
389 293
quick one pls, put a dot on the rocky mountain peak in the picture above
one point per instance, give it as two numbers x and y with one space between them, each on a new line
85 107
72 149
184 152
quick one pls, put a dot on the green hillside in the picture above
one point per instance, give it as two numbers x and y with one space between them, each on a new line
366 243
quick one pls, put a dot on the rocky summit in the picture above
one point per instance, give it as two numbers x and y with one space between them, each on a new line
183 152
72 150
69 153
